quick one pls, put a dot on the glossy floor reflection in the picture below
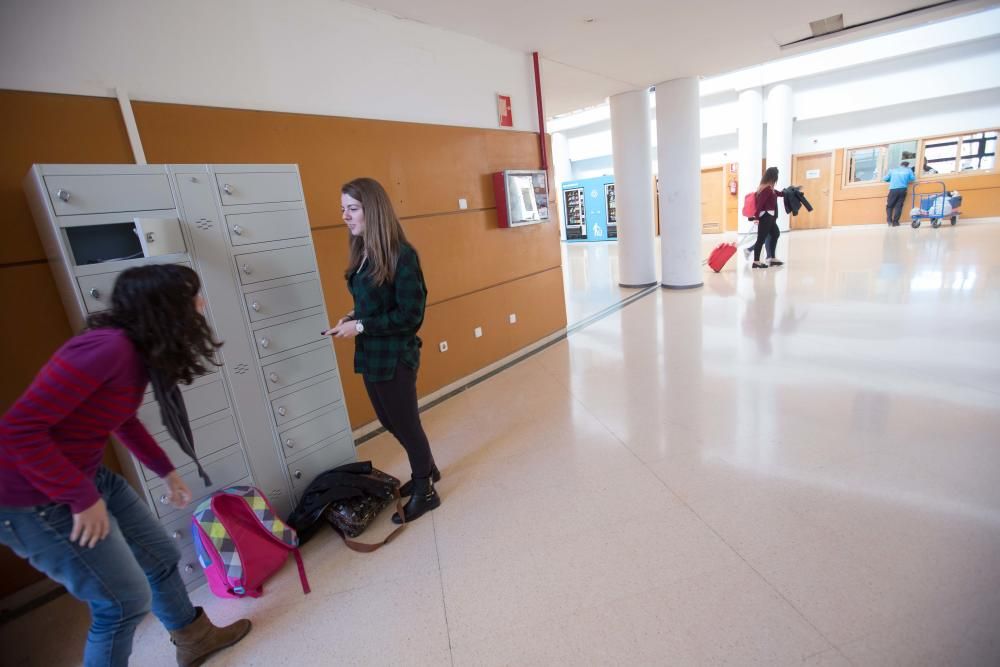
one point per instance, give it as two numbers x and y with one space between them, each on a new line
792 466
590 279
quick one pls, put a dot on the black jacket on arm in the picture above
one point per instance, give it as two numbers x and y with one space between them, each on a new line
795 200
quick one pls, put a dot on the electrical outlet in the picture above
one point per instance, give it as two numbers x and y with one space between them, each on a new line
478 332
463 203
443 346
513 318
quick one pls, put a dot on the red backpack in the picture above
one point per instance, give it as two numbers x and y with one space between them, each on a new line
241 542
750 206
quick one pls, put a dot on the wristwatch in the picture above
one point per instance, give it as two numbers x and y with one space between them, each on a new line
359 327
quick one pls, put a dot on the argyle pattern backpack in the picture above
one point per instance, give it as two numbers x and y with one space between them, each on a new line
241 542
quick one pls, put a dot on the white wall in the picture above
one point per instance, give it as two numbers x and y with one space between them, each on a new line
309 56
954 70
974 111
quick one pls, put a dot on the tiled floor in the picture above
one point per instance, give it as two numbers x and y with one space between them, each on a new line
791 466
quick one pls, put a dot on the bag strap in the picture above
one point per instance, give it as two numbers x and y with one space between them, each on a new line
368 547
302 571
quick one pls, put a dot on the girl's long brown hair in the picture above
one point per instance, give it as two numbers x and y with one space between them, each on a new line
770 178
383 235
155 306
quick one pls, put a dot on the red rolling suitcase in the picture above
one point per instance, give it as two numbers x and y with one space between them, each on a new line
721 255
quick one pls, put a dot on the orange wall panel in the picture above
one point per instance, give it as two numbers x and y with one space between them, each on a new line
41 128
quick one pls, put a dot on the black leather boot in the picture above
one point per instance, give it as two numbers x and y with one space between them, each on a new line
424 499
407 489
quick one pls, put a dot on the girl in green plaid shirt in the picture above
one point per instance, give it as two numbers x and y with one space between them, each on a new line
385 279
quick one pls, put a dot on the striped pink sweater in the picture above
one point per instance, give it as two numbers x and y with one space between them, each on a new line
52 439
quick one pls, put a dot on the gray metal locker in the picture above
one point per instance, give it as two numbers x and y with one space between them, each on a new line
274 414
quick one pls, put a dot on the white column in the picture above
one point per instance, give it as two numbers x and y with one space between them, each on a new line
630 144
562 171
751 133
778 115
678 154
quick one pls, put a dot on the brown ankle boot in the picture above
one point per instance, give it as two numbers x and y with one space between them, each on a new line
199 639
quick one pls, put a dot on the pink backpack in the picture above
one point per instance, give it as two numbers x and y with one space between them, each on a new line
750 205
241 542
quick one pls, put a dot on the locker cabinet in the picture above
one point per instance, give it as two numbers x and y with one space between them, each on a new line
273 414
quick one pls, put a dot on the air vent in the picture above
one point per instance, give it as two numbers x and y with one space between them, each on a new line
825 26
822 29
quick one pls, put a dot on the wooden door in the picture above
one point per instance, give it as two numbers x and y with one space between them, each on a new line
814 174
712 204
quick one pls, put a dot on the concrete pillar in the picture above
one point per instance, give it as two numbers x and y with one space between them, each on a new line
630 150
678 154
778 115
562 171
751 134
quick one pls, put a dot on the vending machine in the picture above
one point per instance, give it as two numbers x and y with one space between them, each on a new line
576 213
609 198
590 209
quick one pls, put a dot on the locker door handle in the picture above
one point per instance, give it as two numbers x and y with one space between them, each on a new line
62 194
291 443
164 499
298 474
189 568
282 411
265 343
237 230
247 269
255 306
94 293
176 535
227 188
273 377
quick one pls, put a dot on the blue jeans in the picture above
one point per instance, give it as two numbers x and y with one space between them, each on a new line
130 571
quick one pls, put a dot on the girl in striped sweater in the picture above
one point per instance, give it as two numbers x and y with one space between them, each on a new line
74 519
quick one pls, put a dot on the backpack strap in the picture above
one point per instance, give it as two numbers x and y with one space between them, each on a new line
302 571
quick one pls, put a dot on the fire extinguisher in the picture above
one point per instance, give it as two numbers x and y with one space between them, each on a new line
732 186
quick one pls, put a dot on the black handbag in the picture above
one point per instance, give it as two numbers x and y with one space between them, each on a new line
349 498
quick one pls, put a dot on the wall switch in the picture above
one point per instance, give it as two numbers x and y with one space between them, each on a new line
443 346
513 318
478 332
462 203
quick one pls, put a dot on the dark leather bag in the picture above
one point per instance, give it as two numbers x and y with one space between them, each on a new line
349 498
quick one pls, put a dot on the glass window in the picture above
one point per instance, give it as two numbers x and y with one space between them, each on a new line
940 155
903 151
979 151
865 164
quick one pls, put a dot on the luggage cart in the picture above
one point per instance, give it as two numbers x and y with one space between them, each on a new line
932 202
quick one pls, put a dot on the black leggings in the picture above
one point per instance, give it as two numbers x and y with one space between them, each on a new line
767 234
395 403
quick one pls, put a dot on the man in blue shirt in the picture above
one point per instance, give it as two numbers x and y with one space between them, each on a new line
899 178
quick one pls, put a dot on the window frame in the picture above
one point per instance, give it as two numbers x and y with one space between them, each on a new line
922 143
879 167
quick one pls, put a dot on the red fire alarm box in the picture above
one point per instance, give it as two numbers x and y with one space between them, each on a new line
522 197
504 111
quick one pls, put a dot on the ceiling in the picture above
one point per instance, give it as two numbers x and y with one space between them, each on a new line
630 44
